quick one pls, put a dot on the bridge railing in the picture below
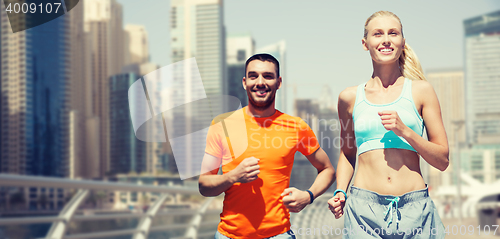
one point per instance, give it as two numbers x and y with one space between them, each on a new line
60 223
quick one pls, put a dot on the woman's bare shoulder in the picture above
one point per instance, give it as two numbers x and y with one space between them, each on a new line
422 92
421 86
348 94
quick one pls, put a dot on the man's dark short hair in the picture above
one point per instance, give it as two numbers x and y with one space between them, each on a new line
264 57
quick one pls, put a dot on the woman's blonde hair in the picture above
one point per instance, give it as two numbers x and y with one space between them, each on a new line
408 61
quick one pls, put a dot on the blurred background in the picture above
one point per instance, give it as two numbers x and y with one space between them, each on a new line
71 166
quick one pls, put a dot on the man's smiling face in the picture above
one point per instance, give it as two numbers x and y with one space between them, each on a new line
261 83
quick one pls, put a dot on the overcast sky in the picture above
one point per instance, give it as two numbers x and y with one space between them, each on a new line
324 37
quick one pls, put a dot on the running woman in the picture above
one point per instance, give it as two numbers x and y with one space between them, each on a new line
382 123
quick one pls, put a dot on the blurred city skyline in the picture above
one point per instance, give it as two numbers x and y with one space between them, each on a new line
75 121
130 49
324 42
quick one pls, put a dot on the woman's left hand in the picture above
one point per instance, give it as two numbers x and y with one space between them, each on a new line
391 121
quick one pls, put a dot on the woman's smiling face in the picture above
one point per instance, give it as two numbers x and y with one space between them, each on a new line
384 39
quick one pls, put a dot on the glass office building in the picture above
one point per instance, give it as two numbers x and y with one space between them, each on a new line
34 112
128 154
482 78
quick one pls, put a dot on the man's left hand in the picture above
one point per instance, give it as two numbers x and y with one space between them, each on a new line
296 201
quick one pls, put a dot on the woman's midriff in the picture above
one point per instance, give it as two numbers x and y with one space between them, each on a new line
389 172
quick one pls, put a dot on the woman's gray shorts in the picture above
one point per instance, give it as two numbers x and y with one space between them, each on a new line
370 215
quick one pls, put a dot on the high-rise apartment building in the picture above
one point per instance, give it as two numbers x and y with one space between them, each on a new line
83 158
278 50
482 78
449 87
239 48
196 30
136 40
127 153
137 62
34 97
123 101
103 24
13 143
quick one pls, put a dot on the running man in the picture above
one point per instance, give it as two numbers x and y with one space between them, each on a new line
257 198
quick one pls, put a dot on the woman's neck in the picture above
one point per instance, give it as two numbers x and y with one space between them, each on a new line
386 74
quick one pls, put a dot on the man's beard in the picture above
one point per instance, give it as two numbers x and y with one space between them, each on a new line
262 105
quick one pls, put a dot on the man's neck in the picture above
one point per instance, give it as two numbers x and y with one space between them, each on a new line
260 113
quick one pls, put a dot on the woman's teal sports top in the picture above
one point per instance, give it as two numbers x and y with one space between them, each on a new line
368 129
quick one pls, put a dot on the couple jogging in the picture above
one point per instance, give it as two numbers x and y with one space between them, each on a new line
382 123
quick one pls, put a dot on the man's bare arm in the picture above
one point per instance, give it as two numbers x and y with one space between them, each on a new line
212 184
326 172
326 176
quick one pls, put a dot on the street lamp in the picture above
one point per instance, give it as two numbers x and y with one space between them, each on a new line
458 124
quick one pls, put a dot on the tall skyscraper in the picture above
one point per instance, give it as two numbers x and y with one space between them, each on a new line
127 153
137 62
3 21
34 104
196 30
278 50
239 48
482 77
103 23
136 40
122 100
449 87
13 144
154 163
83 160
